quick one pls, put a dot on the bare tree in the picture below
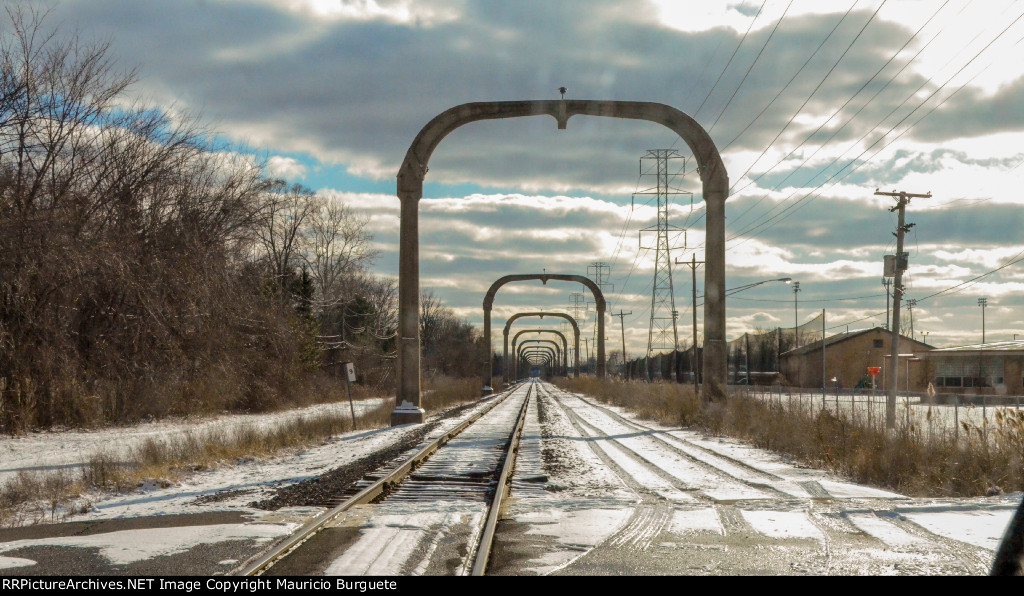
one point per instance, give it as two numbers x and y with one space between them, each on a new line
286 212
337 246
125 286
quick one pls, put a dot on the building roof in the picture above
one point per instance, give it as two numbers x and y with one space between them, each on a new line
1016 346
841 337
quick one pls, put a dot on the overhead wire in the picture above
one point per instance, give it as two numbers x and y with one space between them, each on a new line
850 164
793 78
752 64
729 62
835 112
802 106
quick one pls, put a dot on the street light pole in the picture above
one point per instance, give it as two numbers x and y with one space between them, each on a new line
796 316
983 302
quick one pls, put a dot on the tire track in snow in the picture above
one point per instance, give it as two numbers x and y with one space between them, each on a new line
722 464
704 477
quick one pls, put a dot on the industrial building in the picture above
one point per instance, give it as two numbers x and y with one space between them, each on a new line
848 358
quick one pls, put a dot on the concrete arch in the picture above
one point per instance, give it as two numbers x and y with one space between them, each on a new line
543 342
565 345
534 356
595 289
410 190
546 353
537 348
542 314
538 342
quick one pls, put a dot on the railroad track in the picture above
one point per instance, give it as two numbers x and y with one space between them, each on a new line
468 467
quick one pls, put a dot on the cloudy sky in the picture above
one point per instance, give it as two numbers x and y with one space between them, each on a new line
813 104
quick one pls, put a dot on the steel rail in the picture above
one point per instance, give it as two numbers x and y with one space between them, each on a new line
483 551
364 496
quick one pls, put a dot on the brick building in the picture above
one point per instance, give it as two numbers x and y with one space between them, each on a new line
984 369
848 357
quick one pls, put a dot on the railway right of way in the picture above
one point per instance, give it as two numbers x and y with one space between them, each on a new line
433 514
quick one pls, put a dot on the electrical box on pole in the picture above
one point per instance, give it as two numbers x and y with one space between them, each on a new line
889 266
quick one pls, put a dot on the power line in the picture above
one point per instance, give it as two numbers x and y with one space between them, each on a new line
791 79
738 46
802 201
752 64
835 112
810 300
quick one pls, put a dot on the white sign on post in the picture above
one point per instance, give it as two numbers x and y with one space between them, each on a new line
350 372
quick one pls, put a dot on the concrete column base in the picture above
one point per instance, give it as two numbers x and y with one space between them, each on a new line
407 413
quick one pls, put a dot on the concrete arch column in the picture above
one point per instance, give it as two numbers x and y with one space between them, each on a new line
542 314
565 345
410 190
595 289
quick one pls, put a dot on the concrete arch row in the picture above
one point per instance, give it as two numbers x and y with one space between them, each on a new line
595 290
542 314
545 343
565 344
410 190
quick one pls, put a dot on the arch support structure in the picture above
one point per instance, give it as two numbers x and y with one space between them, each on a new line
541 314
565 345
544 343
531 352
599 303
528 350
410 190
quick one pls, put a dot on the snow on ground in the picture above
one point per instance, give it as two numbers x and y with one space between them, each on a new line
980 522
52 450
583 505
131 546
697 520
247 480
979 525
782 524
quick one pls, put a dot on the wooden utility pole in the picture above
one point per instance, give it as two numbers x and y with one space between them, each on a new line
695 361
622 322
902 260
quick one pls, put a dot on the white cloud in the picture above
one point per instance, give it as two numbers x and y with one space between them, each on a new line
404 12
285 167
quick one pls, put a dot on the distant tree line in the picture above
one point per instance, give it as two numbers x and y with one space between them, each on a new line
145 271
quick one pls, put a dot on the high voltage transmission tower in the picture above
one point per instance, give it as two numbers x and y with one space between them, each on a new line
577 303
666 168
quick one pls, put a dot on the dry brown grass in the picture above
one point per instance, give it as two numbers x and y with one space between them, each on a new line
441 393
906 460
